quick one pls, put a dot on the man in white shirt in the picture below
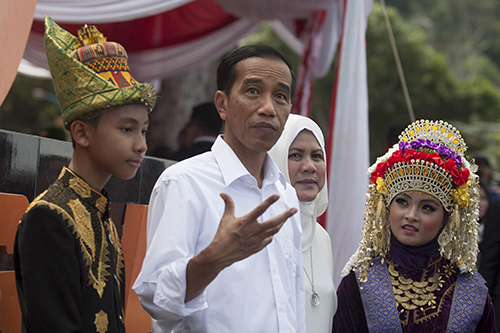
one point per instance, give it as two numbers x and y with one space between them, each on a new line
223 241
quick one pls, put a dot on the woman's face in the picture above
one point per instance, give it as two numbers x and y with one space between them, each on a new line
306 166
416 218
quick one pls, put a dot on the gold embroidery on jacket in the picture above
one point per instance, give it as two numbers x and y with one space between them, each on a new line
83 224
95 278
120 266
92 235
80 189
101 322
101 204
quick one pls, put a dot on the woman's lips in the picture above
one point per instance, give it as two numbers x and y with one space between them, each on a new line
307 183
409 228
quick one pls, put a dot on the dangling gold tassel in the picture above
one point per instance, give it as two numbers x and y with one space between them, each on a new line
379 238
381 210
455 230
455 219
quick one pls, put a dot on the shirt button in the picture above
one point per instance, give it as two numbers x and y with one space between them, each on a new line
121 318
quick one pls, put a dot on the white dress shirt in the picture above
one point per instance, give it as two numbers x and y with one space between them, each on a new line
262 293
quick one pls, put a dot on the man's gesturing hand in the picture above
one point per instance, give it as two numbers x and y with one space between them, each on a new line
237 238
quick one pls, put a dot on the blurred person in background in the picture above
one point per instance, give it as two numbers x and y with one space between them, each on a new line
489 246
485 173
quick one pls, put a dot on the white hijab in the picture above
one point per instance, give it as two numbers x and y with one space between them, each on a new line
309 211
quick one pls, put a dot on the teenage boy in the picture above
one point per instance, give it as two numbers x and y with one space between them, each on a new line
68 260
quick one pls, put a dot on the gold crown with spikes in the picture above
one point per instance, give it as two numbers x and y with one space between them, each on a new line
90 74
89 35
439 132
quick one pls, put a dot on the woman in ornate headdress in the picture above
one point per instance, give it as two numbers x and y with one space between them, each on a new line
300 156
415 267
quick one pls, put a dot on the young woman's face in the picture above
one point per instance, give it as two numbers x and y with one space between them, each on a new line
416 218
306 166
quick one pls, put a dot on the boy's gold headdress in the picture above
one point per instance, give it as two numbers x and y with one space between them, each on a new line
429 158
90 74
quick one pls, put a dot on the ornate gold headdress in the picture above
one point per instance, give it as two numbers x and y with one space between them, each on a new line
429 158
90 74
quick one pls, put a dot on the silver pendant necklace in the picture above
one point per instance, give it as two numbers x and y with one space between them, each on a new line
314 296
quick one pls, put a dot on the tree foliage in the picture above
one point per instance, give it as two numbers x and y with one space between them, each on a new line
462 29
436 91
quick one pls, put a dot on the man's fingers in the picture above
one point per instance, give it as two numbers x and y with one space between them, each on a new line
229 204
262 207
285 215
272 226
266 241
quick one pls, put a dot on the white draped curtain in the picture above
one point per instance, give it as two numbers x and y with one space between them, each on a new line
177 59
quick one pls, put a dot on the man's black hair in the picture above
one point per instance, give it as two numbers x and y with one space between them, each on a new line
226 72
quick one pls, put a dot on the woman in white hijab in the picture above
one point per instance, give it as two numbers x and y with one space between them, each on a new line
300 155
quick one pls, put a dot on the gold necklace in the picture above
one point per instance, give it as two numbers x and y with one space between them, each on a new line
414 294
314 296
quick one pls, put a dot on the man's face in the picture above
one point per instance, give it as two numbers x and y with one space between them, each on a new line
258 105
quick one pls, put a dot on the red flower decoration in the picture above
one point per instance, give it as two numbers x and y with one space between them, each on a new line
450 166
379 172
460 178
412 155
431 158
396 157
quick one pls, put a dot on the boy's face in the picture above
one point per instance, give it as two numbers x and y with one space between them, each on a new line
118 145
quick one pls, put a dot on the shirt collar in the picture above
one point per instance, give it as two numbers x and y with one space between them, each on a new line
232 168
